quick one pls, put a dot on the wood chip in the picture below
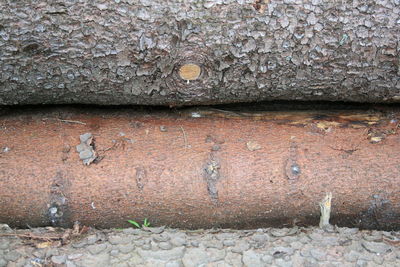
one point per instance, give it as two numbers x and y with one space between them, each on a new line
44 244
253 145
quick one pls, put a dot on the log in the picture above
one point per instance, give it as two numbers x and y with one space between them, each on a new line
199 167
198 52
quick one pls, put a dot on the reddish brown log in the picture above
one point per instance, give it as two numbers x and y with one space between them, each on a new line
200 168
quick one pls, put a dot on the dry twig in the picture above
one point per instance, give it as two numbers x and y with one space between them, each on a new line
70 121
325 206
35 237
184 137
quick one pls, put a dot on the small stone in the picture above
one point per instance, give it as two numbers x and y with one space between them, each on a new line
96 249
310 262
99 260
117 240
283 263
215 254
135 260
4 243
154 230
173 264
132 231
362 263
80 244
164 245
344 242
316 236
279 252
284 231
267 259
154 246
12 256
318 254
251 258
374 236
289 239
85 137
240 246
305 251
366 256
161 237
163 128
195 243
74 256
376 247
329 241
146 247
215 147
165 255
139 242
59 259
213 244
378 259
312 19
229 243
356 246
126 248
114 252
304 239
297 259
39 253
52 252
195 257
351 256
223 236
178 241
4 228
260 238
391 256
348 231
92 239
296 245
3 263
81 147
234 259
121 261
70 264
85 154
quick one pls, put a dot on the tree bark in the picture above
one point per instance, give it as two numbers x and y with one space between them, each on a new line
134 52
200 168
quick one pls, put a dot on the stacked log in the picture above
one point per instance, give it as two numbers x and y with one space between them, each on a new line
198 52
199 167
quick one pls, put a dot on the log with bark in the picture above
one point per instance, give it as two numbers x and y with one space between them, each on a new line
198 52
199 167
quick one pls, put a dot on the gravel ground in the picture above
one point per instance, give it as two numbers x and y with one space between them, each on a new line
217 247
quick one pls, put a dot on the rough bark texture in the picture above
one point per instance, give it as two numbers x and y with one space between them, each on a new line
130 51
202 168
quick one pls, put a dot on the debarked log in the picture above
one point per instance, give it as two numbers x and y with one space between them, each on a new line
198 52
199 168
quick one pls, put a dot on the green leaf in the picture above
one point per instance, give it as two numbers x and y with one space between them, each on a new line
134 223
146 222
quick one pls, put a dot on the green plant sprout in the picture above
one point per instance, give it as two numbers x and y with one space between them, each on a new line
146 223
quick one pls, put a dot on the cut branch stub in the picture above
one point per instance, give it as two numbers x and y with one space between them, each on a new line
193 75
190 72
